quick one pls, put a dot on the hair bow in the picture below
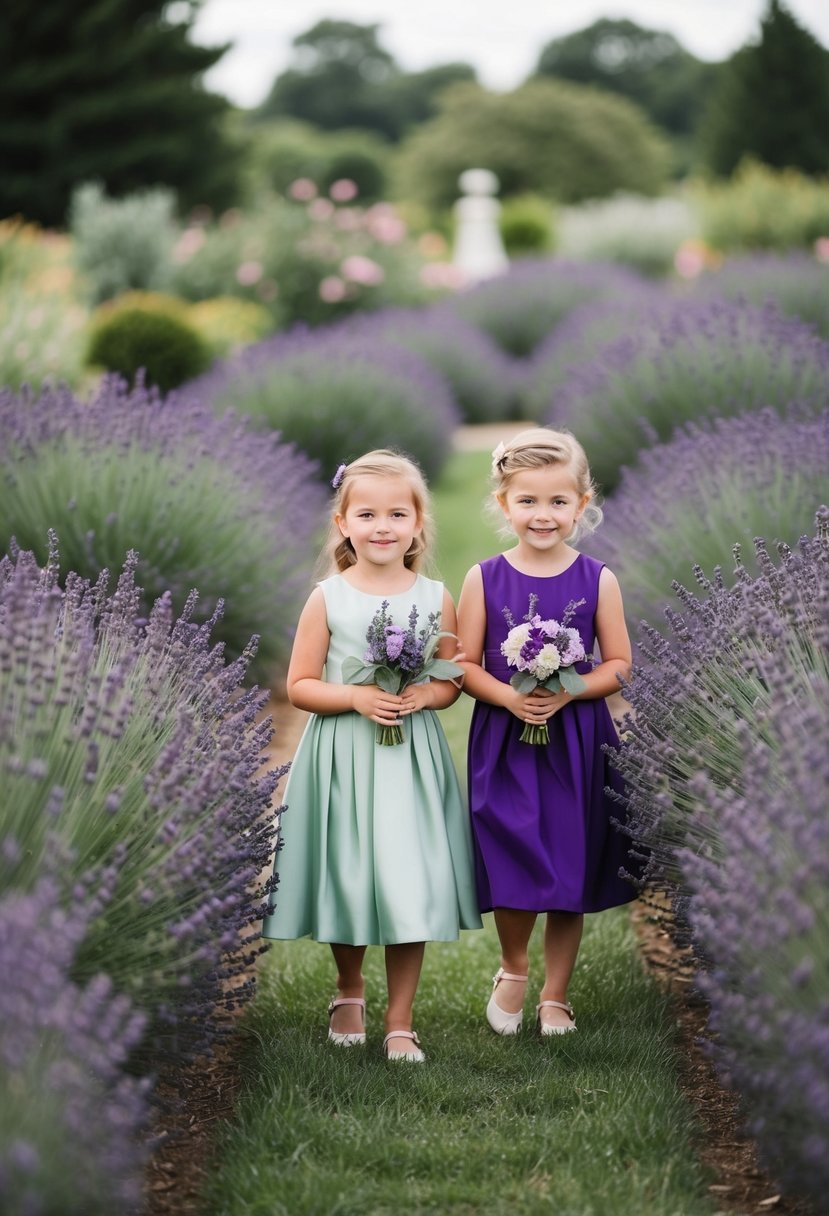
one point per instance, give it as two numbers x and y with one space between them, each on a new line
498 455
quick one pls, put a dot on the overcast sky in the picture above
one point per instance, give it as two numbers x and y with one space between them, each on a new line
500 38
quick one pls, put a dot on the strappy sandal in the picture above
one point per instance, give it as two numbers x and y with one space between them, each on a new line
414 1057
352 1038
498 1018
545 1028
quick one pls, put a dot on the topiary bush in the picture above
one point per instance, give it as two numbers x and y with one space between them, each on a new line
208 502
336 394
714 485
150 340
527 225
522 307
691 362
227 324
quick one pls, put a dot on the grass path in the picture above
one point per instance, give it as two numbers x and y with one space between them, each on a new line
590 1124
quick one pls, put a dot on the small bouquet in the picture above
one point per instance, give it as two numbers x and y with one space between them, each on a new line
543 653
397 657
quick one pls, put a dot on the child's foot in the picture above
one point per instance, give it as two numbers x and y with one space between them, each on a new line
347 1021
505 1014
555 1017
403 1045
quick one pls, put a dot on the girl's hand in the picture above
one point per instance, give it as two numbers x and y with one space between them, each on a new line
537 706
417 696
384 708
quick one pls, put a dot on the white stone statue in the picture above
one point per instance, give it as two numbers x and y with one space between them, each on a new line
479 251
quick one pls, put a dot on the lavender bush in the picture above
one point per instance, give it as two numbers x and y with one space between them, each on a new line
575 342
129 743
795 283
72 1123
336 394
726 777
693 361
206 501
520 308
482 378
714 485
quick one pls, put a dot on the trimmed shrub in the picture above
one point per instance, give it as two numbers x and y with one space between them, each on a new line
131 750
725 770
72 1124
482 378
520 308
153 341
227 324
208 502
124 243
526 224
691 362
336 394
796 284
714 485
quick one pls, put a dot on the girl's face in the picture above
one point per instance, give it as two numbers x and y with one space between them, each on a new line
542 506
380 519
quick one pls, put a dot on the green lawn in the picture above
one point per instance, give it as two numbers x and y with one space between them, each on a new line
590 1124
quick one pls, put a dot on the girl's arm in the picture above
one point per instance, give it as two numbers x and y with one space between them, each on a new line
436 694
305 685
472 632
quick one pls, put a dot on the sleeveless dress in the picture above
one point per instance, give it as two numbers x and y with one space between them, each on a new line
540 817
375 845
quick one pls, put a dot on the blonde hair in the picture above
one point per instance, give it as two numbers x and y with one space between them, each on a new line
338 554
537 448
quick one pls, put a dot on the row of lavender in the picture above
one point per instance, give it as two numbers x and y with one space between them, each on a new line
137 820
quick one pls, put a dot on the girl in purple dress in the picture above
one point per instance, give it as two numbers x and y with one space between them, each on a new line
541 819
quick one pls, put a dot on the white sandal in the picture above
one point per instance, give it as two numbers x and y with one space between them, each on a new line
353 1038
498 1018
414 1057
545 1028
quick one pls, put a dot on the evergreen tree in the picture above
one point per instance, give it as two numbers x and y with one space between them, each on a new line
772 101
108 90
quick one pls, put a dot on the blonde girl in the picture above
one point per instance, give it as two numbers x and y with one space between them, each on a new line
375 839
541 820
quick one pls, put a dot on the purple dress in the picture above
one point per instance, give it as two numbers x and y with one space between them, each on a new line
540 817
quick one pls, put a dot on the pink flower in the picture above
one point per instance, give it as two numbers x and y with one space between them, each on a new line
362 270
343 190
303 190
249 273
332 289
385 225
321 209
441 276
190 242
822 249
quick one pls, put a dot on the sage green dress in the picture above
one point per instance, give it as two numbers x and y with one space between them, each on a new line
375 840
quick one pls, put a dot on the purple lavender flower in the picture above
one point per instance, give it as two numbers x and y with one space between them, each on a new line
395 640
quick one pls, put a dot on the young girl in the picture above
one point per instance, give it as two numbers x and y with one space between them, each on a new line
376 838
540 818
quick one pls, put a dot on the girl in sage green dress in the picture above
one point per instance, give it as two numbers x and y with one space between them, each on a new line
375 841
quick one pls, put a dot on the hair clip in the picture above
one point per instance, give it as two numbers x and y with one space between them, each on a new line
498 455
337 479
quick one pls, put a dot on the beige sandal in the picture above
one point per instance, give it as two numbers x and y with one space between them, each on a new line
415 1057
545 1028
353 1038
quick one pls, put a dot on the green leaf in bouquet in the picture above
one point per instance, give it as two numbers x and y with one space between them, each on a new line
570 680
443 669
387 679
357 672
522 681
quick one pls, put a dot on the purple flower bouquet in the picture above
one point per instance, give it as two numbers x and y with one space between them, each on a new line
397 657
543 653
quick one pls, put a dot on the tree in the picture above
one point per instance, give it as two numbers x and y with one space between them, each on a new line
772 101
560 140
647 66
108 90
342 78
